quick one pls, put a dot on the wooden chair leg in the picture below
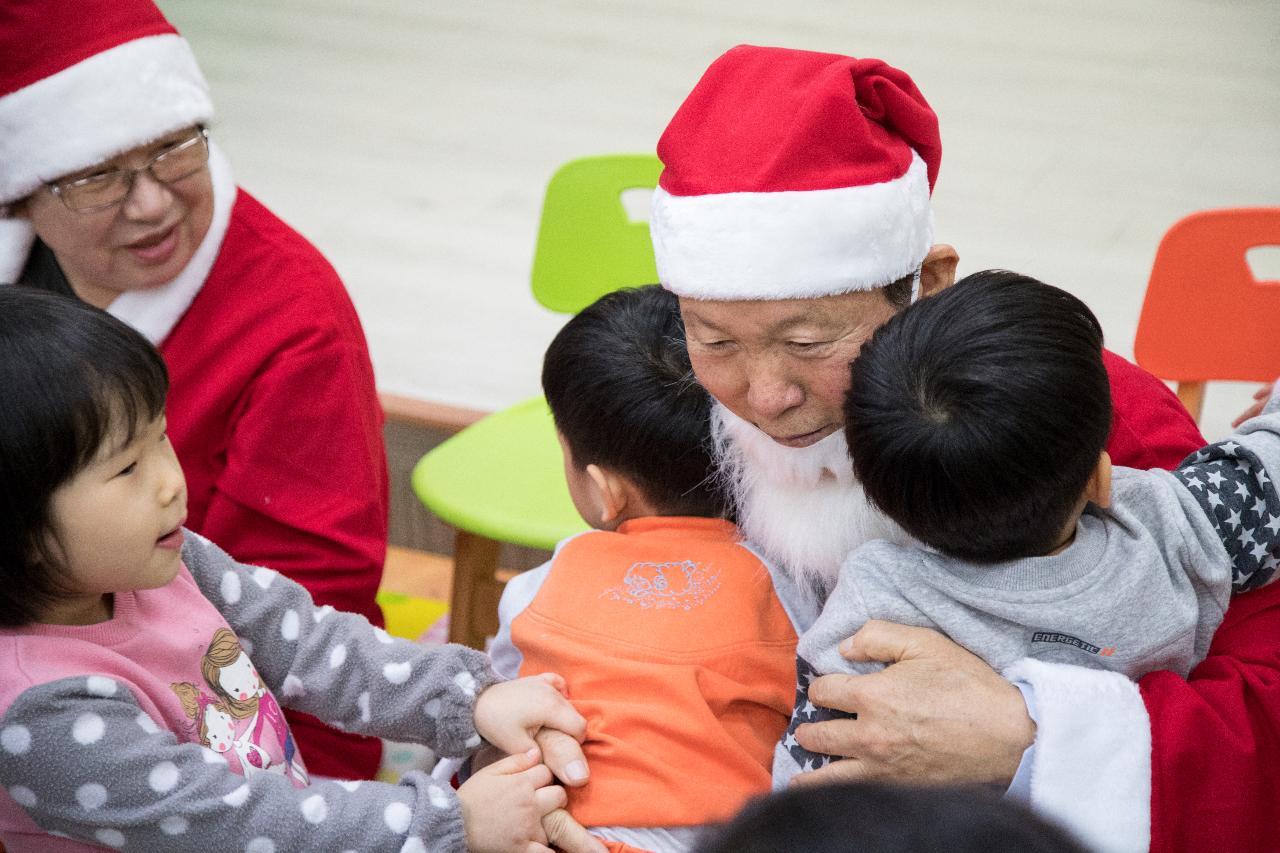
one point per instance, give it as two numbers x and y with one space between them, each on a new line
473 602
1192 396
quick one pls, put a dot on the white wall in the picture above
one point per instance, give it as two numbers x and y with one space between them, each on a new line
411 140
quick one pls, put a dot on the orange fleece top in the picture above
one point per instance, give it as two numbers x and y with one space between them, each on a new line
681 658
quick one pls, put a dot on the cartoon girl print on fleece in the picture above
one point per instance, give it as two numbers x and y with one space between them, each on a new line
241 721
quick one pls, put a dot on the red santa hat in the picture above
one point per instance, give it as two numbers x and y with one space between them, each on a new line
794 174
80 82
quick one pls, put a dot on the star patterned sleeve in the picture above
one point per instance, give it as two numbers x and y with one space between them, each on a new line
818 654
339 667
1232 482
84 761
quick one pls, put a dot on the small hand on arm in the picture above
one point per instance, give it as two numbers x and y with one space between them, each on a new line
561 754
510 713
516 715
936 713
503 805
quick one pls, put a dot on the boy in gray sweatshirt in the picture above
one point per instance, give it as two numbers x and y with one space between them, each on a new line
977 420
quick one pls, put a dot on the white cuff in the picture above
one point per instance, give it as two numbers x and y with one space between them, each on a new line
1020 787
1091 770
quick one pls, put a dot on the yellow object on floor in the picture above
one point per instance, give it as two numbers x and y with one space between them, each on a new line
413 597
415 593
411 617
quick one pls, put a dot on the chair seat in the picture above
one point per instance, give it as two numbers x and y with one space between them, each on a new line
502 478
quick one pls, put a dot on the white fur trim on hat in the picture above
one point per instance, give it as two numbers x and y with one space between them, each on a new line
1092 770
110 102
792 244
16 237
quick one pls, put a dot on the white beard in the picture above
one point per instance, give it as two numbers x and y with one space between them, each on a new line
802 507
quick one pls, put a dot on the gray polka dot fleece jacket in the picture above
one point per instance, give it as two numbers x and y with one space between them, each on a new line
161 729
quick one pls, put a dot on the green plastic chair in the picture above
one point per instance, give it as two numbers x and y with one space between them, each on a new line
502 479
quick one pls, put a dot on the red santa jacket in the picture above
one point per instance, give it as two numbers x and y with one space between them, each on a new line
1149 427
1215 738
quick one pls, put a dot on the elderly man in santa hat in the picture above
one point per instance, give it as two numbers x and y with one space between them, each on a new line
793 218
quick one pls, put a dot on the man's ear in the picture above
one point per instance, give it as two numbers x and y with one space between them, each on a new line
938 272
1099 488
610 490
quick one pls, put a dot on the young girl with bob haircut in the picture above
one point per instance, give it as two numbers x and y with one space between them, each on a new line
110 613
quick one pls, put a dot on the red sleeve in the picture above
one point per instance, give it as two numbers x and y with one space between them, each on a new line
274 413
1149 428
1216 737
305 489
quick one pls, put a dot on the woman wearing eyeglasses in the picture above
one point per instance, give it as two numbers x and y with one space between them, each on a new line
110 189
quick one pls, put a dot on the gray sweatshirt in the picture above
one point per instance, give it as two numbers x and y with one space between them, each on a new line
86 762
1142 587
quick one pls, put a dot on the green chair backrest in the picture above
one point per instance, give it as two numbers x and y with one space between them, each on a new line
587 245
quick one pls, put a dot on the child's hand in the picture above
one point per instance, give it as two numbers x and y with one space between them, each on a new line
508 714
503 805
1260 398
566 834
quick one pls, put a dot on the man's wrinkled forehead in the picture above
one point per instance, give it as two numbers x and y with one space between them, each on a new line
777 317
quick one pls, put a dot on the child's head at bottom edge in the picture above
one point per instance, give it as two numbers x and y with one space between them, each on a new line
875 817
91 494
633 422
977 418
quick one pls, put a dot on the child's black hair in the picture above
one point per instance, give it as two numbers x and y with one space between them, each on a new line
976 417
618 380
874 817
71 378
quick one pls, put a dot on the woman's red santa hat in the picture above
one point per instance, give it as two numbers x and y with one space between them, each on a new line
793 174
80 82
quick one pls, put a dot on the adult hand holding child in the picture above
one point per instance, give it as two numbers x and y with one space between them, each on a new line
915 718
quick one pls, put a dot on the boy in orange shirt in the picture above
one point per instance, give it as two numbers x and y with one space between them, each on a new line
677 640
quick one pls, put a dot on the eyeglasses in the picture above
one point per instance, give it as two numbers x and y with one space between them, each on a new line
182 159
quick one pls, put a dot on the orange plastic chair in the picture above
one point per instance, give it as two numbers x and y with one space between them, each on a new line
1205 317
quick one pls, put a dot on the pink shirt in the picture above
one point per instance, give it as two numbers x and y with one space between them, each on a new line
162 644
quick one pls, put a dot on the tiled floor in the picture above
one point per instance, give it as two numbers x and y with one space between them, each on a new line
411 140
